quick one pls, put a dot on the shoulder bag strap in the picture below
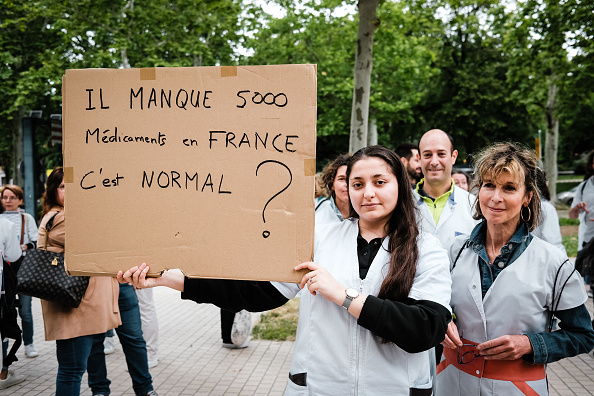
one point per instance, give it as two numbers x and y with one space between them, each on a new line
48 227
464 246
555 304
22 229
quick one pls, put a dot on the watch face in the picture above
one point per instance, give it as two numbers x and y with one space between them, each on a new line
352 293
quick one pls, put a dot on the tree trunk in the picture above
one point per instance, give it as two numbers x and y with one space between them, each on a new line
125 63
372 133
17 150
552 140
124 52
368 23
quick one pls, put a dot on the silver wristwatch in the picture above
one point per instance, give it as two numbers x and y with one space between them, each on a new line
351 294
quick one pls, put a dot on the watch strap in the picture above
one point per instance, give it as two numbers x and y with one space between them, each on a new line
347 302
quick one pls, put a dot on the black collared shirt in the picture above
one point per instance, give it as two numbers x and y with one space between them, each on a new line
366 253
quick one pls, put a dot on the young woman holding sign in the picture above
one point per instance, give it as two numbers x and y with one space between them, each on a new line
378 292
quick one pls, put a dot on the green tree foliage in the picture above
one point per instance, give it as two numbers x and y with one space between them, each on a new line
310 33
470 97
40 39
541 39
474 69
26 41
578 104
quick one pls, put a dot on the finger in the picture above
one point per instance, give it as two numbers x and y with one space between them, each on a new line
120 277
495 351
452 334
308 264
505 355
128 274
312 288
447 342
489 344
495 347
142 276
306 278
136 275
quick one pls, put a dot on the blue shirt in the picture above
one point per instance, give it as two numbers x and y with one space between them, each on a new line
509 252
575 335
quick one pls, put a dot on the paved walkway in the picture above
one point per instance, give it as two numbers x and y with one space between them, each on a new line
192 361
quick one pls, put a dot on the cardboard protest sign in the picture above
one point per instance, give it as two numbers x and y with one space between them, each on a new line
207 169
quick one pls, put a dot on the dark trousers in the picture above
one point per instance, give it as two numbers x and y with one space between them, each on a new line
133 345
226 325
73 355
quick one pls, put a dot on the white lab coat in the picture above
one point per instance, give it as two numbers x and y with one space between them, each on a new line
325 213
518 302
586 228
549 230
339 356
9 243
455 219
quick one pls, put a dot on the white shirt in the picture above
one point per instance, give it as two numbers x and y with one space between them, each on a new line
549 230
586 228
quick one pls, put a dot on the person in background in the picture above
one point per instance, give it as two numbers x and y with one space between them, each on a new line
133 345
582 206
12 197
320 191
109 343
150 325
445 208
461 179
10 251
409 156
236 329
377 294
507 286
335 208
548 230
78 332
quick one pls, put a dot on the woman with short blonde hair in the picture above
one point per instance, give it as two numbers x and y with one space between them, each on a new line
506 287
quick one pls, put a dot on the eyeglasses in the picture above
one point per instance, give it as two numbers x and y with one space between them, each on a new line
468 356
7 198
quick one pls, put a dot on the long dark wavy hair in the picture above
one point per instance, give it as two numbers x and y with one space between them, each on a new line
50 196
402 227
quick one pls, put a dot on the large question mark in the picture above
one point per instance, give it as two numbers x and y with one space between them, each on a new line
265 233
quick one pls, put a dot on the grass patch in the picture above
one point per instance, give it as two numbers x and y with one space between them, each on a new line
570 177
562 187
280 324
564 221
571 244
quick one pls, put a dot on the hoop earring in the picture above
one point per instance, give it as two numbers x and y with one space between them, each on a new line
522 214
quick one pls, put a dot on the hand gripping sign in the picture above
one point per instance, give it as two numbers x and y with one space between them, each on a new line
207 169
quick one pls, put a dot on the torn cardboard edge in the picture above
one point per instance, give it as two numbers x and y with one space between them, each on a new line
159 274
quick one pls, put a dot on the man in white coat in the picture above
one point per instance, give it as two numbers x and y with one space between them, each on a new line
446 209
